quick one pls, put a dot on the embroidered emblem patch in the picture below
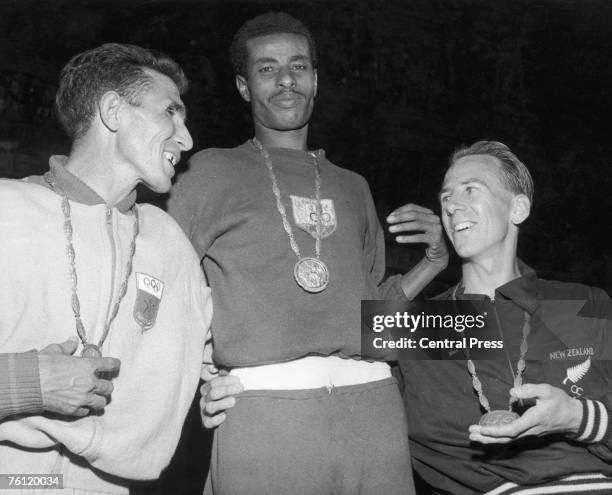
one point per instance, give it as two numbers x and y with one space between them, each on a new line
575 374
572 352
305 215
148 297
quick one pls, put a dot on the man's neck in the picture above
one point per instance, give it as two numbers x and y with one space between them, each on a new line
484 276
91 166
270 138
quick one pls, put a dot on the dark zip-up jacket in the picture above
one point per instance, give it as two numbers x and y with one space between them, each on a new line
569 348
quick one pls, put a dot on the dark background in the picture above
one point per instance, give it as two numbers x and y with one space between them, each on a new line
401 84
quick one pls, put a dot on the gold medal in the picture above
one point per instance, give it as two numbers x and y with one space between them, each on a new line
311 274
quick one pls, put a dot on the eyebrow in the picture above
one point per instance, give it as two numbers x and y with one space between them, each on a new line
265 60
471 180
179 108
270 60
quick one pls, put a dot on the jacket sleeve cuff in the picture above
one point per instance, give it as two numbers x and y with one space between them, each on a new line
20 384
595 425
391 289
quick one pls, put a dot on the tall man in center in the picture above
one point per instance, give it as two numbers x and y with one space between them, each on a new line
290 245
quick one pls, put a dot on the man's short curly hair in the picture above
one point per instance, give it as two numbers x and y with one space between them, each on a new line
110 67
514 174
262 25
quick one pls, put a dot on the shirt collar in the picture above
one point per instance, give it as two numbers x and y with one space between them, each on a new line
300 156
79 191
522 290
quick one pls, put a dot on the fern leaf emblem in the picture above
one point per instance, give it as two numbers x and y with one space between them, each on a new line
576 373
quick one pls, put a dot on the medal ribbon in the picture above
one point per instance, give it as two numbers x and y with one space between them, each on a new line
70 254
281 207
520 365
314 265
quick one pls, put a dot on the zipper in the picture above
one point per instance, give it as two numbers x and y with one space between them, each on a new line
113 246
500 331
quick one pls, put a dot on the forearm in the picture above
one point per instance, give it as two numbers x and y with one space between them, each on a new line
19 384
414 281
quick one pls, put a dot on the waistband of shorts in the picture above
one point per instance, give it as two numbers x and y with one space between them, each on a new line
324 392
311 372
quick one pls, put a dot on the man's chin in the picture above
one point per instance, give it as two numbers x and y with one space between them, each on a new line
159 187
465 253
286 120
290 125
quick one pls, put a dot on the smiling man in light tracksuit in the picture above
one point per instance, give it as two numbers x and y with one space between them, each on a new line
80 258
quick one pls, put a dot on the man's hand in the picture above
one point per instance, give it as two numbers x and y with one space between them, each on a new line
414 218
70 385
208 372
554 412
217 397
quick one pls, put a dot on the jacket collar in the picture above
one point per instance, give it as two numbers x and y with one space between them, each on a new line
522 291
76 189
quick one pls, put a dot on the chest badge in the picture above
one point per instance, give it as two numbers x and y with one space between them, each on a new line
577 373
148 298
305 215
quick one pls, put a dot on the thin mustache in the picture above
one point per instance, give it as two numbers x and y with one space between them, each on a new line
287 91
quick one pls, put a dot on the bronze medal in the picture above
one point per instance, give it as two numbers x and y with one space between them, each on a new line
498 418
311 274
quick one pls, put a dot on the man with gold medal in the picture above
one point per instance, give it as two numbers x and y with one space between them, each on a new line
291 244
82 260
538 420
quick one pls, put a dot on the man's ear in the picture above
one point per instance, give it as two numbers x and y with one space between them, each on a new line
521 207
316 82
243 87
108 110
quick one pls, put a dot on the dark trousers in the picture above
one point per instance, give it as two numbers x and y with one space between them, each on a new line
344 440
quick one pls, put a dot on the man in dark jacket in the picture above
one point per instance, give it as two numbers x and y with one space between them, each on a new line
556 373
